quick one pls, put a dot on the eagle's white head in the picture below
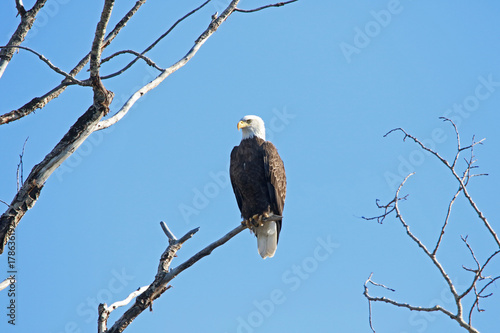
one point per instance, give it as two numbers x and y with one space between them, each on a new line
252 126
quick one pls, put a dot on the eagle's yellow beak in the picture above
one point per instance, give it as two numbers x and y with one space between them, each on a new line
242 124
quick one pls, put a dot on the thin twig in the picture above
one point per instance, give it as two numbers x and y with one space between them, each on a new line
105 77
20 167
388 209
52 66
447 218
464 239
478 274
463 182
279 4
379 284
27 20
478 296
5 203
457 177
212 27
137 54
29 192
41 101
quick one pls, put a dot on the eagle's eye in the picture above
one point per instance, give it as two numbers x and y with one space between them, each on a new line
249 121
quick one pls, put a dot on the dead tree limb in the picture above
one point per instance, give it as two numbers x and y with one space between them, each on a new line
56 69
463 180
91 120
27 20
279 4
30 190
41 101
7 282
151 46
164 275
213 26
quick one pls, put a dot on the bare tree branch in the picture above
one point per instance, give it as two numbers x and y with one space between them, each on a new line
478 296
105 311
40 102
20 8
388 209
7 282
30 191
448 213
27 20
213 26
165 275
279 4
393 206
47 61
435 308
168 233
457 177
137 54
477 273
20 167
150 47
95 53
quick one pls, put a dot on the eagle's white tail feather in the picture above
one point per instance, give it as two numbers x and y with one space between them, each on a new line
267 239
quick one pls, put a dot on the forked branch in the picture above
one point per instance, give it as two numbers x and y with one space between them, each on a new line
41 101
29 192
56 69
478 270
164 275
27 20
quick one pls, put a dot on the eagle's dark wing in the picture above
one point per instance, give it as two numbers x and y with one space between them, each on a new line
276 178
233 174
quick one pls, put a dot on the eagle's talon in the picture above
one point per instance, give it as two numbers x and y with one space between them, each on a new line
248 223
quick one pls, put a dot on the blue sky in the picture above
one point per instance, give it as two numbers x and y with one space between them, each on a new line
329 79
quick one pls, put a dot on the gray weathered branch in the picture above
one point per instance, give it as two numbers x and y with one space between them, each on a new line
393 206
137 54
27 20
150 47
213 26
40 102
56 69
5 283
91 120
30 191
104 310
451 167
279 4
165 275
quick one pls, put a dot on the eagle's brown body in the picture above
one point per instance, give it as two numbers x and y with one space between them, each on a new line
259 180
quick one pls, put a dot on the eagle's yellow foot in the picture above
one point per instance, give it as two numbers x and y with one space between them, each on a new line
258 220
247 223
255 221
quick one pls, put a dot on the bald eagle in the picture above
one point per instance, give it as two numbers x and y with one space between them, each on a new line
259 184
